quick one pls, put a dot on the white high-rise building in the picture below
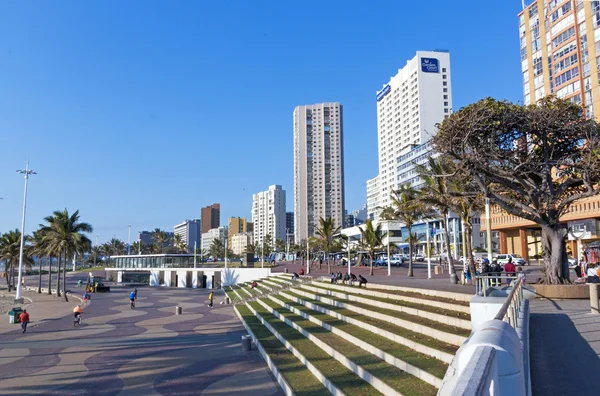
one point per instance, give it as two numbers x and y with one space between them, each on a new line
268 214
318 167
190 233
212 234
408 108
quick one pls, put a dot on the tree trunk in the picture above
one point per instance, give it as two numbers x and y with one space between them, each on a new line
447 242
410 255
40 277
556 264
12 276
50 275
371 264
469 250
328 266
7 274
65 278
58 275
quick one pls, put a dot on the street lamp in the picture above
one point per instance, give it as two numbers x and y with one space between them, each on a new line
129 240
26 172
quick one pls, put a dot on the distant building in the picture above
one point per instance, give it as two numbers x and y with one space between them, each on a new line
268 214
409 160
240 241
238 225
146 238
289 226
190 233
356 217
209 237
211 217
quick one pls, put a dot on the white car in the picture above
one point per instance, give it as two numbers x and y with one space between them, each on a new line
516 259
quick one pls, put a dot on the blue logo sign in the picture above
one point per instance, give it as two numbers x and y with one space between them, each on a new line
383 92
430 65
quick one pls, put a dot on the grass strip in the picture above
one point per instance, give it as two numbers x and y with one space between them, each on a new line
391 375
302 381
409 294
392 328
402 303
344 379
390 312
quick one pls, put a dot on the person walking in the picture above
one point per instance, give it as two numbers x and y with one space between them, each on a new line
509 269
24 318
135 292
210 299
132 299
86 297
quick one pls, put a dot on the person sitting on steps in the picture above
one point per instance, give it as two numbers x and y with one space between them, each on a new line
362 281
352 279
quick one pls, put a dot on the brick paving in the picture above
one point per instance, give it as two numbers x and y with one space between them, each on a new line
120 351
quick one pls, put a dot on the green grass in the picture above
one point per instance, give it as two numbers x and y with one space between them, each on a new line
338 374
402 303
391 375
419 338
412 294
295 373
229 292
390 312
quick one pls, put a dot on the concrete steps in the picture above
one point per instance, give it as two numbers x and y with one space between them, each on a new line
355 341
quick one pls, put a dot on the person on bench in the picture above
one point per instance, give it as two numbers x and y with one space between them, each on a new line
295 277
352 279
301 271
362 280
346 279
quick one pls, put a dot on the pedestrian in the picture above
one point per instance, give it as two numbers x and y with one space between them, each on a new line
295 277
352 279
509 269
333 277
362 281
346 279
135 292
86 297
24 318
210 299
132 299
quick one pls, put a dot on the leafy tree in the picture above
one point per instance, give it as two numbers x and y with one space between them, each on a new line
409 210
115 247
532 161
280 245
435 194
326 232
161 238
10 246
267 245
371 239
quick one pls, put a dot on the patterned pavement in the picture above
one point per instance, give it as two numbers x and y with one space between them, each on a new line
143 351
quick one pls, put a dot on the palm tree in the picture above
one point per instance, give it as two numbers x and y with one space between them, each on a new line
39 248
217 249
136 247
435 194
267 245
280 245
115 247
326 232
160 237
10 246
65 235
409 210
371 240
180 244
250 248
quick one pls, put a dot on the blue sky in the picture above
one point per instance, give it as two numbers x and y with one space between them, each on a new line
142 112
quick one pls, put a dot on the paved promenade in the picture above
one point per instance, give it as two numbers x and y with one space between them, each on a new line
119 351
565 348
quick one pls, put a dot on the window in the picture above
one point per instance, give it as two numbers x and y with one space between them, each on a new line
564 51
564 36
445 96
445 110
566 76
444 76
445 89
443 70
445 103
564 63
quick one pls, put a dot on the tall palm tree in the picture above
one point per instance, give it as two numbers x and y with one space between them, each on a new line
326 232
180 244
160 237
39 248
409 210
371 240
10 246
217 249
96 252
115 247
136 247
436 194
280 245
65 235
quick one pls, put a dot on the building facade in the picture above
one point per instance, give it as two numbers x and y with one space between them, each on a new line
289 226
209 237
146 238
238 225
190 233
560 43
268 214
210 217
239 242
318 167
408 108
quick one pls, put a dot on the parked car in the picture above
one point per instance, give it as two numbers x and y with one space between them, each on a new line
419 257
572 262
516 259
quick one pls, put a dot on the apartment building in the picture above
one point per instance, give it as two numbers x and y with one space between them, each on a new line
209 237
268 214
190 232
238 225
318 167
240 241
211 217
408 108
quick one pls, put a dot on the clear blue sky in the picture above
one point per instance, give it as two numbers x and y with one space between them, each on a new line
142 112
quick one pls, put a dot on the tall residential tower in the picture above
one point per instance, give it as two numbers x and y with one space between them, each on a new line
408 108
318 167
211 217
268 214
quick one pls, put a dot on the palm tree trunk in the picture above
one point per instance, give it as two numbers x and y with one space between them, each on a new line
328 266
40 277
12 276
58 275
410 256
50 274
7 268
65 278
469 250
447 242
371 264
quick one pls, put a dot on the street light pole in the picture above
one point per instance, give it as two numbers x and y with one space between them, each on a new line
129 240
428 254
388 248
488 229
26 172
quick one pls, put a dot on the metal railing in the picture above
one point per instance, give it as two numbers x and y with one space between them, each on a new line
484 282
509 312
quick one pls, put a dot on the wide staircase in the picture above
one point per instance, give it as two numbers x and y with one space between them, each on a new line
323 338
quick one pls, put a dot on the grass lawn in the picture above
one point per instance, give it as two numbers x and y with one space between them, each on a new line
295 373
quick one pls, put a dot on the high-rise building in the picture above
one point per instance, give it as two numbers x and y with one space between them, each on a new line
268 214
408 108
209 237
211 217
318 167
238 225
560 43
289 221
190 233
146 238
240 241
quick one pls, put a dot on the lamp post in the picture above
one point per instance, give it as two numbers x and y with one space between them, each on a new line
349 265
26 172
129 240
428 254
388 248
226 245
307 256
488 230
194 254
